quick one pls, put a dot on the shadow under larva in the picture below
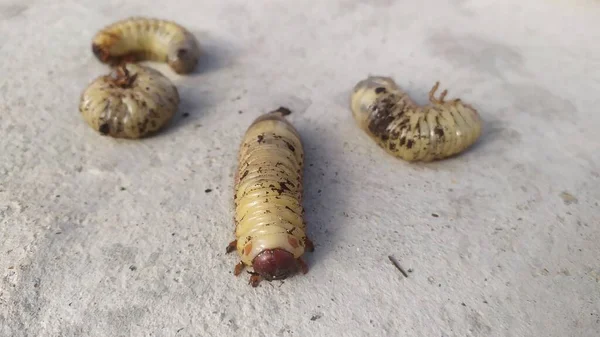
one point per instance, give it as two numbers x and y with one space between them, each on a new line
270 229
147 39
405 130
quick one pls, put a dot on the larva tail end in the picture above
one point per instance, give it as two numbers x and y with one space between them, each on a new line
275 264
277 115
282 111
185 61
373 82
365 93
100 53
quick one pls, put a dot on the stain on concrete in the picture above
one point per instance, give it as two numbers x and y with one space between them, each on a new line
12 10
535 100
568 198
474 52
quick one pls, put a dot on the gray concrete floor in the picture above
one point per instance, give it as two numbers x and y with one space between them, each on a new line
103 237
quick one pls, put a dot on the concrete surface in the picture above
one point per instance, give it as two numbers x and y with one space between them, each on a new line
101 237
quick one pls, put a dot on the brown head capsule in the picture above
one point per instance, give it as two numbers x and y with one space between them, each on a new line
130 102
435 131
270 230
143 39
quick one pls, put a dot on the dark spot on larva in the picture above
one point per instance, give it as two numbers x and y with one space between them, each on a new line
104 128
282 187
143 125
147 88
181 53
287 181
260 138
438 131
291 210
208 190
144 104
392 146
290 146
402 141
383 117
380 90
185 114
409 143
153 123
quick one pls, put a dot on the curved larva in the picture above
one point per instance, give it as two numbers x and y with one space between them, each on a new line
140 39
410 132
270 230
130 102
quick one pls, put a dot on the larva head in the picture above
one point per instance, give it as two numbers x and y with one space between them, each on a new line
275 264
366 92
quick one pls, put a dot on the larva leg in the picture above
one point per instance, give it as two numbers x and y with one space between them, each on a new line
432 98
231 246
239 268
139 39
255 279
303 266
132 102
308 245
435 131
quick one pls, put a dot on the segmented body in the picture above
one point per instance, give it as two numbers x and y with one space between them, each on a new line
414 133
270 230
147 39
130 102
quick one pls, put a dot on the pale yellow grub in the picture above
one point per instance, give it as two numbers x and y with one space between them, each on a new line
132 102
147 39
268 189
414 133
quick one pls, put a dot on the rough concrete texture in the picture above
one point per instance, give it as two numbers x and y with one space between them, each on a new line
105 237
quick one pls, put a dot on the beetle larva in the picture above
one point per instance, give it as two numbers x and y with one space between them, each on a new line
145 39
414 133
270 229
130 102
